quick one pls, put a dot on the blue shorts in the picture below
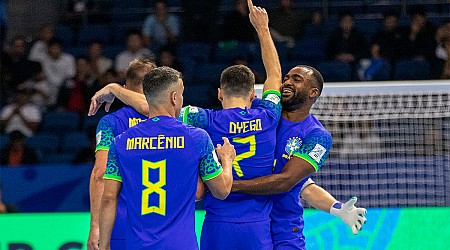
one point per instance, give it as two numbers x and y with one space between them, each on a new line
118 244
291 244
234 235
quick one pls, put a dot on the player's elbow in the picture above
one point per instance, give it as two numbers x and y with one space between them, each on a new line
221 194
285 184
98 173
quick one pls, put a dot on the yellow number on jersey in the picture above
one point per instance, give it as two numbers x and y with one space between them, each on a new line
154 187
251 152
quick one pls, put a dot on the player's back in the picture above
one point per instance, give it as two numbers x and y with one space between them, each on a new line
158 161
310 141
110 126
253 134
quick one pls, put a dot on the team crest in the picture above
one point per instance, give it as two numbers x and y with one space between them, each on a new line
293 144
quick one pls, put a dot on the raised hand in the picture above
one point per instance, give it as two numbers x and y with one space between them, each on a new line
258 16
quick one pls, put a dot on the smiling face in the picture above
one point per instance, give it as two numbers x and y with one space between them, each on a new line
298 87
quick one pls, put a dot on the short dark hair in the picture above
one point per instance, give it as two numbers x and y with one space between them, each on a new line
237 80
345 13
158 80
136 71
317 77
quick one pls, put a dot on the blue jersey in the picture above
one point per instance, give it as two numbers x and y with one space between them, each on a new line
310 141
158 162
253 134
109 127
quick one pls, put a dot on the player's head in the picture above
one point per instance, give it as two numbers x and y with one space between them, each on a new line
136 71
163 89
302 85
237 81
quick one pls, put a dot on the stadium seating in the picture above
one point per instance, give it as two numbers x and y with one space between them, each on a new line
44 142
411 69
94 32
4 140
333 71
60 122
74 141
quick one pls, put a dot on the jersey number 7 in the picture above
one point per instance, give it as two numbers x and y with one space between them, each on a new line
251 152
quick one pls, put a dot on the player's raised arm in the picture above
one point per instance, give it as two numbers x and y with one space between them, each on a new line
106 95
220 185
260 21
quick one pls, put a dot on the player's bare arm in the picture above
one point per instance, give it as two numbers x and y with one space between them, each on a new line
260 21
106 95
220 186
108 210
319 198
200 193
295 170
96 187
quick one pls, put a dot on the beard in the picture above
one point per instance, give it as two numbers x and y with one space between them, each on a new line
294 102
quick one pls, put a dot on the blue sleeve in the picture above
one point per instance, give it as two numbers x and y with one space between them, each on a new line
271 101
209 166
195 116
315 148
104 134
112 171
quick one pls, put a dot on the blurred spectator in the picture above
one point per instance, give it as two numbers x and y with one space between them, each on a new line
75 94
97 61
161 28
316 26
346 43
108 77
38 51
15 63
259 76
287 22
81 12
370 69
21 115
17 153
58 66
236 24
389 37
38 87
418 37
86 155
443 49
362 142
166 57
135 50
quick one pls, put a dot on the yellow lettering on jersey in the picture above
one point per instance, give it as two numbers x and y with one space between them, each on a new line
155 142
244 127
134 121
286 156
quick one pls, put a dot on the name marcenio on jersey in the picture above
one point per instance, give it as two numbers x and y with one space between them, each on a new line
155 142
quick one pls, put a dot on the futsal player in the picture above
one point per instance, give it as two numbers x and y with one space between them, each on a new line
157 162
303 145
109 127
242 221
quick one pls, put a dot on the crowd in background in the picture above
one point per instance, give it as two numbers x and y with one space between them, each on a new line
43 76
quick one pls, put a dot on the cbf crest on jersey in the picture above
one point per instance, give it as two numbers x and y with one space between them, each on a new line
293 144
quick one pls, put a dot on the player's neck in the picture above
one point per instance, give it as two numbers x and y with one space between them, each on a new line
297 115
160 111
233 102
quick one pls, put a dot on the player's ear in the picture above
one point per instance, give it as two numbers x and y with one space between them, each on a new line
313 92
220 94
252 95
173 97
